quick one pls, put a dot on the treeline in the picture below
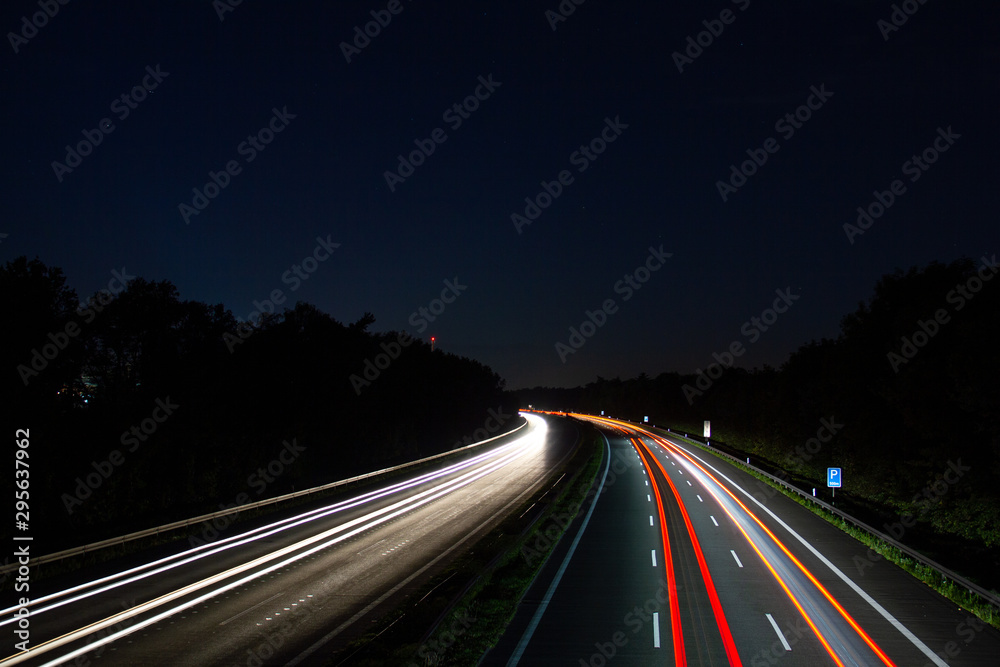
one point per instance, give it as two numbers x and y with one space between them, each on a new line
144 408
906 400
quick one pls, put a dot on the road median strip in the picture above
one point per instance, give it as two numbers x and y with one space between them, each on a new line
479 593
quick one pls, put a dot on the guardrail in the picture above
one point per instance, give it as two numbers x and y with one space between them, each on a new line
988 596
150 532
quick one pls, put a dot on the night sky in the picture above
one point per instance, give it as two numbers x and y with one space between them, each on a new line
609 67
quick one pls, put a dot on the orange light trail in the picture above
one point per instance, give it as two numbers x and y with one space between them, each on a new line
822 589
668 446
788 592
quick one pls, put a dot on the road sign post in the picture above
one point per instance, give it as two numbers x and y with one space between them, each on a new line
834 480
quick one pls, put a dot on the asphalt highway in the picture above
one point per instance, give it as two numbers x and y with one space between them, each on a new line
685 559
290 591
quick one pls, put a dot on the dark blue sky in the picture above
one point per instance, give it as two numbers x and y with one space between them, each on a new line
323 175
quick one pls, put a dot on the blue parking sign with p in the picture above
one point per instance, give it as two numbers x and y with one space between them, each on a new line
833 478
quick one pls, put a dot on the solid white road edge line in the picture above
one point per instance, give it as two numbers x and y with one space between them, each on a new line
530 630
931 655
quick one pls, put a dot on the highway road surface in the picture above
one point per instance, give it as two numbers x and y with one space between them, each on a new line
291 591
684 559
